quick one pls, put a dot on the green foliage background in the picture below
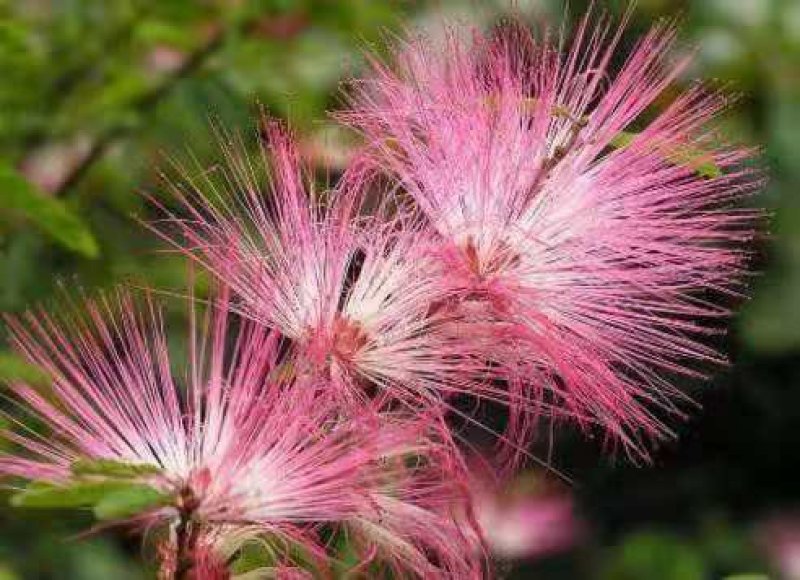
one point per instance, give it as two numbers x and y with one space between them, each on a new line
95 95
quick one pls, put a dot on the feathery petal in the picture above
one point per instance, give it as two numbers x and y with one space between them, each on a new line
236 446
353 294
594 257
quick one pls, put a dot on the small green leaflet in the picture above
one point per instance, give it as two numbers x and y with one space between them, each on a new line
346 556
13 368
686 155
50 215
69 495
253 555
258 556
256 574
128 501
110 499
112 468
622 139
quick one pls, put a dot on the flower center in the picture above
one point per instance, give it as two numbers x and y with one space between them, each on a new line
337 345
500 257
347 339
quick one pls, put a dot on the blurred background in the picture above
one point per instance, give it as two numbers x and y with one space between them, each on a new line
95 95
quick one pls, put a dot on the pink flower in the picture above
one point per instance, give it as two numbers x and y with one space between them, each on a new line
524 519
419 521
241 446
352 294
595 256
778 537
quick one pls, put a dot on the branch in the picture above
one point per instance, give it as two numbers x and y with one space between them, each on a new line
101 144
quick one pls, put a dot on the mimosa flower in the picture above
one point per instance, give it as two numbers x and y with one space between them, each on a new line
241 445
593 236
354 295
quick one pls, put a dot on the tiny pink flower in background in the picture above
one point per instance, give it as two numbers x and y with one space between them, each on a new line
526 517
596 243
778 537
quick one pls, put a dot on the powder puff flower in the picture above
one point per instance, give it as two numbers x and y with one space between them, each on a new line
239 446
353 294
595 233
419 523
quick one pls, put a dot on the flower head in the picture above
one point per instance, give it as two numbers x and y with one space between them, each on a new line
241 445
591 233
353 295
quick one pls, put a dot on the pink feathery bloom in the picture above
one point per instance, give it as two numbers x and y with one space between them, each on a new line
242 444
419 523
353 294
594 235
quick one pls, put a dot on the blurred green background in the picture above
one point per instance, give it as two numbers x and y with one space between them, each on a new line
95 95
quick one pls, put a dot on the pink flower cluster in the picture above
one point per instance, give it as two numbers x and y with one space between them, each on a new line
549 243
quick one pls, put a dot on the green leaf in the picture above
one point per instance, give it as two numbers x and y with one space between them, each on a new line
112 468
689 156
7 574
257 574
50 215
655 556
13 368
347 557
253 555
70 495
111 499
129 501
622 139
695 159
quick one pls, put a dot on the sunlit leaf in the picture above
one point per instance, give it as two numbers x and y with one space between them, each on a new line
252 556
13 368
50 215
129 501
70 495
112 468
110 498
257 574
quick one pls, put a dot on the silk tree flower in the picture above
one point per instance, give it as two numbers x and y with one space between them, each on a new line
354 295
419 522
596 232
242 445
